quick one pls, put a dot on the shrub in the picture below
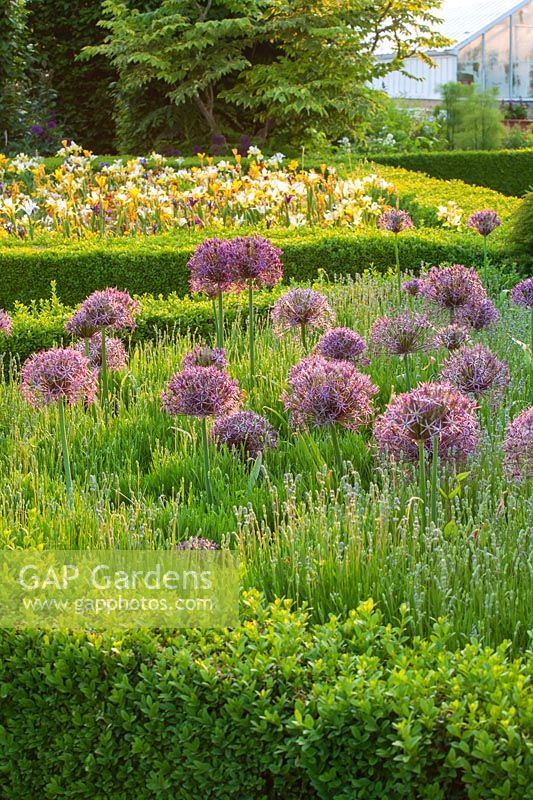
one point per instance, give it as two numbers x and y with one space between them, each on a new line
276 708
520 235
158 264
506 171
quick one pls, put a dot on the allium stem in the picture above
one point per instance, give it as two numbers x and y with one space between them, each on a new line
485 257
407 372
398 272
205 448
215 316
87 348
251 330
103 373
64 448
336 448
304 336
422 481
434 476
220 329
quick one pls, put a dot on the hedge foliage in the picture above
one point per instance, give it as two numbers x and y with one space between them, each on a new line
276 708
507 171
158 264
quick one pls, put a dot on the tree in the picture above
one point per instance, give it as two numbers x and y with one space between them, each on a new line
14 52
265 65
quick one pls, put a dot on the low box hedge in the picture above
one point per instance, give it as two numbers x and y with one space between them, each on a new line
158 264
507 171
276 709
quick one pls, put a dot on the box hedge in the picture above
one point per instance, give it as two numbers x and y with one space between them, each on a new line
158 264
275 709
507 171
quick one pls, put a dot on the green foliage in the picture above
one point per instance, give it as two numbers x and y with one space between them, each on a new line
520 236
259 65
14 52
276 708
473 117
507 171
158 264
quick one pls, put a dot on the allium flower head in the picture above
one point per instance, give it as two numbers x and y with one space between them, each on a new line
413 286
453 287
5 322
245 429
322 392
476 370
478 315
201 392
484 222
395 220
301 308
341 344
109 308
197 543
212 268
203 356
58 374
430 410
522 293
400 335
518 446
256 259
452 337
116 356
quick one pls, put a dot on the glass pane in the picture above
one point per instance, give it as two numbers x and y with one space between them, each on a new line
497 58
469 63
523 53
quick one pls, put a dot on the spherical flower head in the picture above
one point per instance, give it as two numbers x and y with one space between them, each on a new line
400 335
109 308
478 315
453 287
476 371
5 323
522 293
413 286
484 222
58 374
201 356
431 410
324 392
212 268
257 260
247 430
201 392
452 337
301 308
197 543
395 220
116 356
518 446
341 344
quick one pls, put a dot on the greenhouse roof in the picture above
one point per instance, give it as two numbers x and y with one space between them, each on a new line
464 21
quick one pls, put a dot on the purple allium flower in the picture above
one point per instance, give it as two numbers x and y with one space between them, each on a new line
301 308
400 335
476 370
322 392
109 308
5 322
116 356
518 446
201 356
484 222
478 315
452 337
432 409
37 130
453 287
245 429
395 220
522 293
413 286
201 392
212 268
256 259
341 344
197 543
58 374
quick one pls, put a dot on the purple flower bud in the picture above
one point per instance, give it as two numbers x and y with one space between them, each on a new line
484 222
246 430
522 293
475 371
205 357
116 356
400 335
5 323
431 410
57 374
395 220
341 344
301 308
109 308
518 446
257 260
201 392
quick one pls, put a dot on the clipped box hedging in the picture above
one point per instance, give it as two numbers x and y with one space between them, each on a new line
158 264
276 709
507 171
